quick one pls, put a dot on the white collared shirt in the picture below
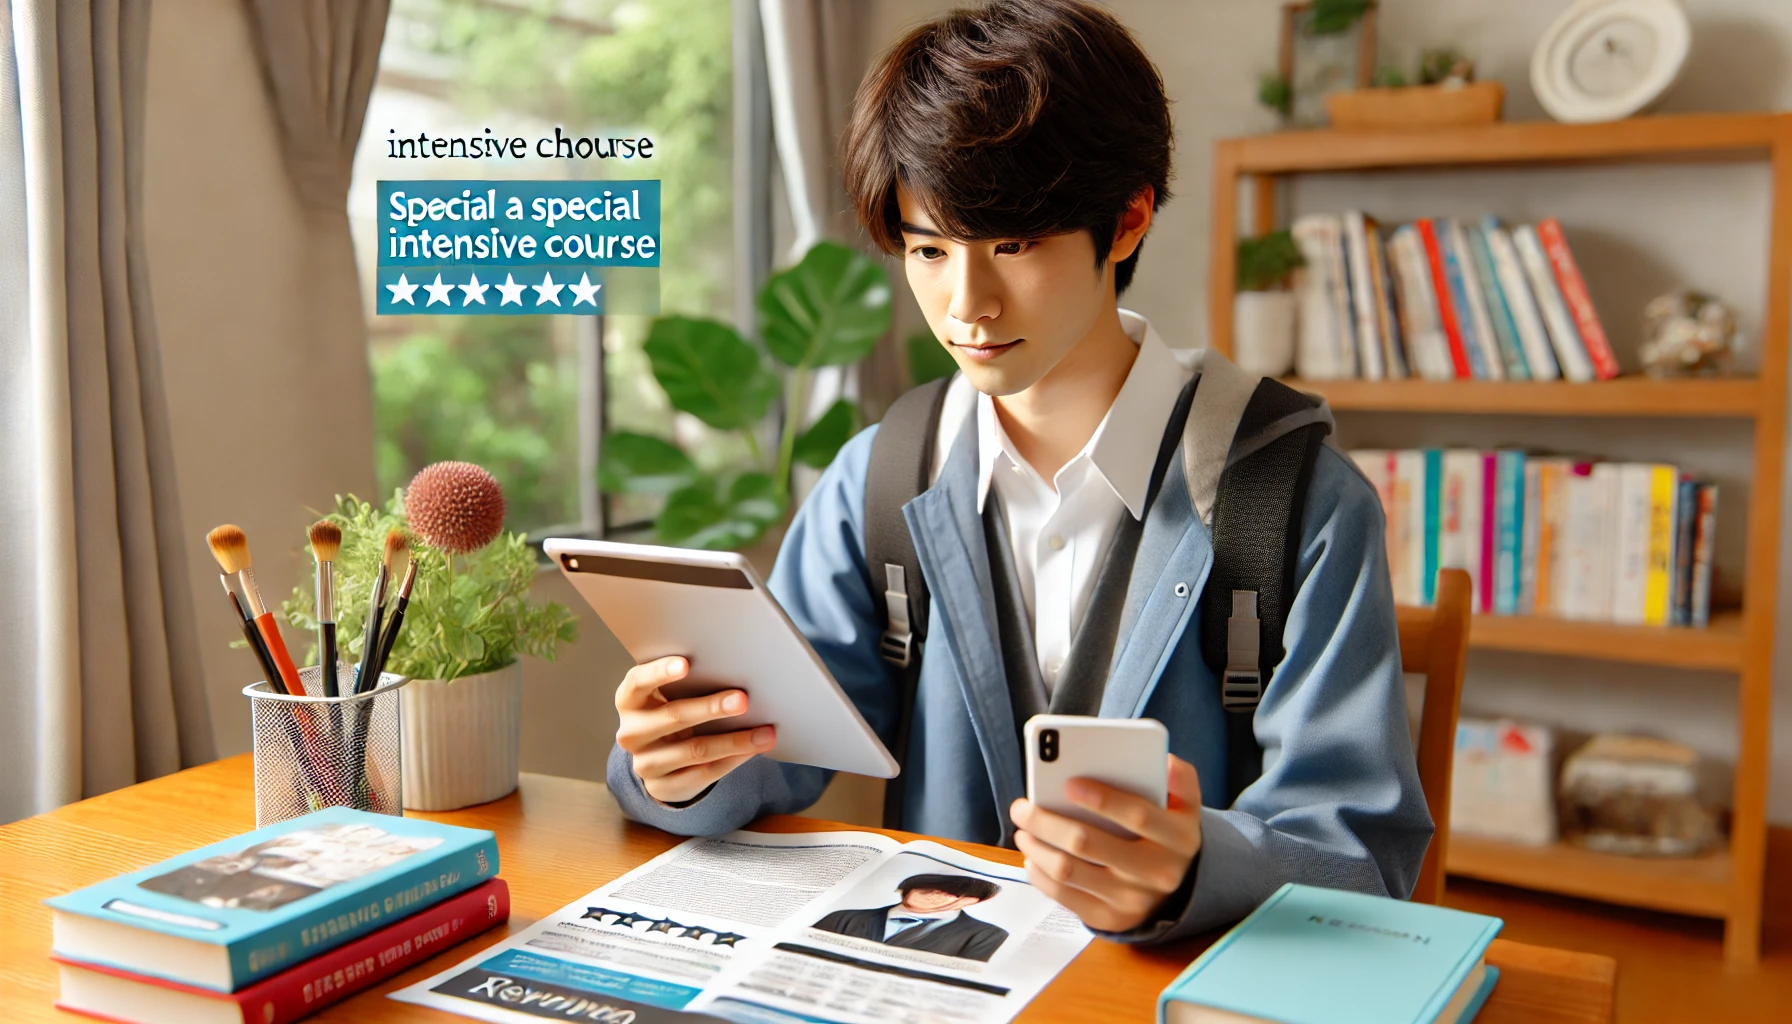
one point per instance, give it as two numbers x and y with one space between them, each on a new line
1059 531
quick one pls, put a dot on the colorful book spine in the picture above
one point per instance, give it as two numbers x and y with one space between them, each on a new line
1427 351
1446 307
331 977
1434 480
1664 488
1550 479
1686 518
1531 525
1574 293
1459 547
1510 512
1409 495
1527 319
1505 331
1703 542
1629 585
1387 316
1363 300
1490 491
1563 336
1469 314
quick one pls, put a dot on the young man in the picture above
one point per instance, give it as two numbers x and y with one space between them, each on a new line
1014 155
930 916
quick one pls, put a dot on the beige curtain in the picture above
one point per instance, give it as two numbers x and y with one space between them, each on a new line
102 679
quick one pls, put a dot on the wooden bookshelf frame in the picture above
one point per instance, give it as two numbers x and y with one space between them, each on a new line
1726 884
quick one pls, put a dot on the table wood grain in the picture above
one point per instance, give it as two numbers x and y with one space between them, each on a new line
559 839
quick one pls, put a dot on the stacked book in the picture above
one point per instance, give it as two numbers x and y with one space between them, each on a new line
276 924
1443 300
1620 542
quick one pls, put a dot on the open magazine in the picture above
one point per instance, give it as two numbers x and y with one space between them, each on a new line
846 927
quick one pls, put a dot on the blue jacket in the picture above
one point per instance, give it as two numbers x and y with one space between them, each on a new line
1338 803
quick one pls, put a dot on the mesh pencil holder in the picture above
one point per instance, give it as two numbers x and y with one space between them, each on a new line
313 752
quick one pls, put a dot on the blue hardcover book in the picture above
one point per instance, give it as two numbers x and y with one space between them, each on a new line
1357 958
227 915
1454 269
1505 329
1434 484
1509 527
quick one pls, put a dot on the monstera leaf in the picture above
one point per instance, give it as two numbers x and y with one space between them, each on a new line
829 309
709 371
821 442
706 514
640 464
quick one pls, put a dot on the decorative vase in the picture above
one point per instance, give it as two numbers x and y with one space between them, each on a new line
1263 333
461 738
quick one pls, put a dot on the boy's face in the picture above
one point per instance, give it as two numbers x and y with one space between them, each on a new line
1010 311
932 901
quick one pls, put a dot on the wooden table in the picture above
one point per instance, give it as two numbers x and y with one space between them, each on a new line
559 839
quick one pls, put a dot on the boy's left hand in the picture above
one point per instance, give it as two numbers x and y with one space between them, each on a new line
1113 884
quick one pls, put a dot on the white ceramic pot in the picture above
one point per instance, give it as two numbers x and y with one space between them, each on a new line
461 739
1263 333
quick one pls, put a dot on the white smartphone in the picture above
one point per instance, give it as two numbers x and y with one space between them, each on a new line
1126 753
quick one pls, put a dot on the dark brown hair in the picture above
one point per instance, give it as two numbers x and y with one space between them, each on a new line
1014 120
962 886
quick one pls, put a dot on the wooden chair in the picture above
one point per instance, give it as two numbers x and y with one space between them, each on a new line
1434 643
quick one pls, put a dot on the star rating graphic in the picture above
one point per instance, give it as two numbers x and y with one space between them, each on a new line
673 929
464 290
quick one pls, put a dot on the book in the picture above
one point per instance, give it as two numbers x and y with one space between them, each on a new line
1531 522
1701 555
1574 293
298 991
1349 343
1315 289
1433 512
1486 581
1527 319
1459 535
227 915
1664 490
1387 318
1410 486
1363 296
1686 518
1574 589
1428 351
1603 527
1631 558
1357 957
1446 304
1550 479
1509 470
1471 306
1505 331
1563 336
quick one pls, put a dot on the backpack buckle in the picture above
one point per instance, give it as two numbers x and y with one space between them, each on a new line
1242 686
897 645
1241 691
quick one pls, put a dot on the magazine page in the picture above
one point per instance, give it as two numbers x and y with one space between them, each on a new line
844 927
652 940
928 934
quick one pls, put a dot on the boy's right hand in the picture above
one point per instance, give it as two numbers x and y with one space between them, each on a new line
674 765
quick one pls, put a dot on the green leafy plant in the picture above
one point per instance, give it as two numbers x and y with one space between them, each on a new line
1265 262
1389 78
928 359
828 310
468 614
1443 64
1331 16
1274 92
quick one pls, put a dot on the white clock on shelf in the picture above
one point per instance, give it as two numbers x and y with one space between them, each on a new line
1604 60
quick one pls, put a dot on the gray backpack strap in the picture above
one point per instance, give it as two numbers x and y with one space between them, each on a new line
1256 547
901 468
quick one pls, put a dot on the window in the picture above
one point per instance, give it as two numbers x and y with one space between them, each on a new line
529 397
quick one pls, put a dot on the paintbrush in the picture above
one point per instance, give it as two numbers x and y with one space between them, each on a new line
389 634
230 546
398 547
326 541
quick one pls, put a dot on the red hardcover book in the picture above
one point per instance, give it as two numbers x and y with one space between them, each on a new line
299 991
1574 293
1446 312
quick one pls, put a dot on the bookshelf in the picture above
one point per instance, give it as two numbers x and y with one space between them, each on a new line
1725 884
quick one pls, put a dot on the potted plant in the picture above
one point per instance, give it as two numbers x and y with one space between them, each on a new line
1263 310
828 310
467 621
1445 95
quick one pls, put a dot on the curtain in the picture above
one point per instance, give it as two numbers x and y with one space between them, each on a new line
103 683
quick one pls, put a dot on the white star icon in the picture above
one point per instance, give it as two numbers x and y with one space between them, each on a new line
401 292
547 291
585 291
475 291
438 292
511 291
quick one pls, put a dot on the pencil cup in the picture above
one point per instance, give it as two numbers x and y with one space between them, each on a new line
314 751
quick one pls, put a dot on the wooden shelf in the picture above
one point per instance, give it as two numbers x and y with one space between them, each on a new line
1717 647
1695 885
1731 398
1740 136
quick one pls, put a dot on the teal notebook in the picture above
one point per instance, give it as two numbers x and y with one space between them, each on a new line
227 915
1353 958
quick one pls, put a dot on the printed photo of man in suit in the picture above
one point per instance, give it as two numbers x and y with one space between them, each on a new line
931 917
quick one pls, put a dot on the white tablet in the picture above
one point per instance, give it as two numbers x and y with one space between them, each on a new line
710 607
